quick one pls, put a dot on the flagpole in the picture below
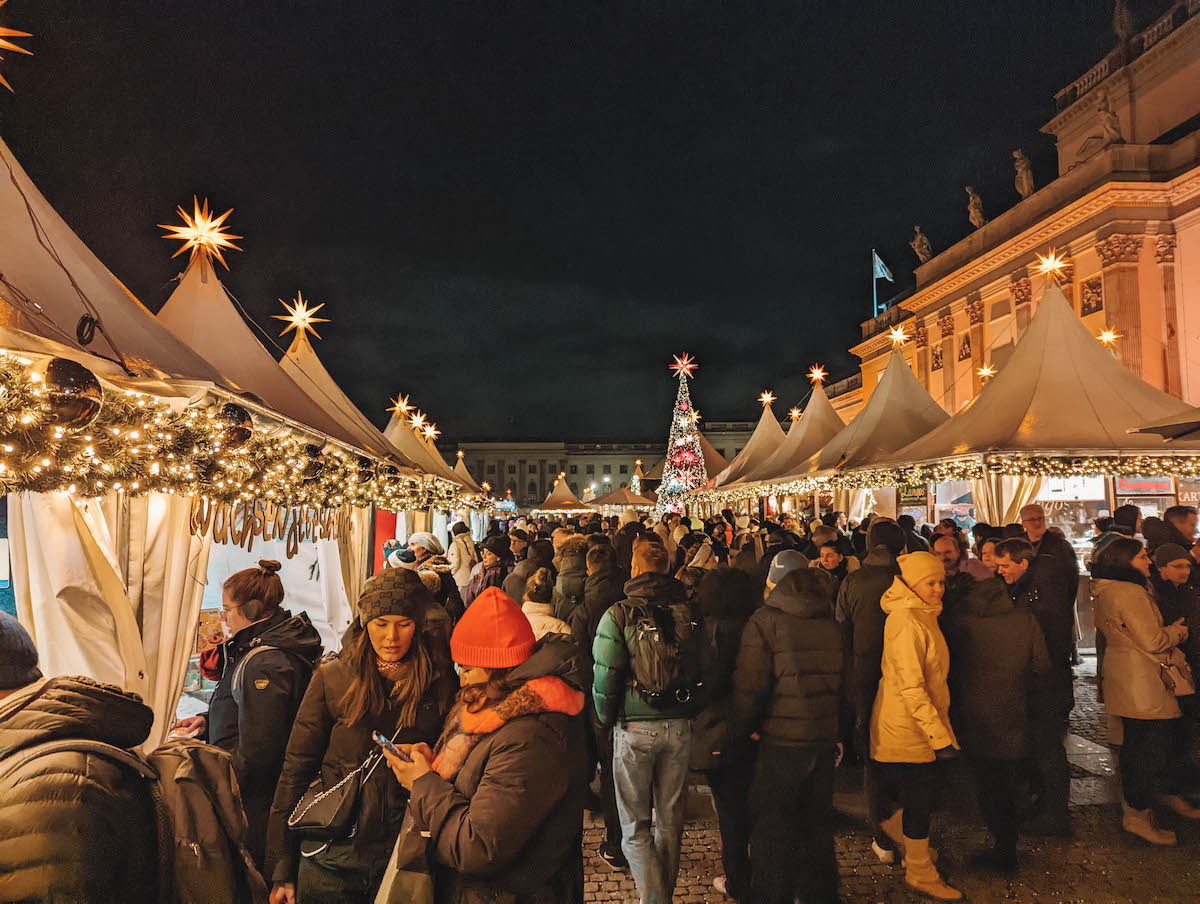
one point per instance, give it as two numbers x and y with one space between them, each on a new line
874 287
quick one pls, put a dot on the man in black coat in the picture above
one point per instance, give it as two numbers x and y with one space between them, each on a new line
913 542
1040 584
999 674
787 690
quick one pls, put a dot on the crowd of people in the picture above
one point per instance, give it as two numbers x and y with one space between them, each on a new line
488 693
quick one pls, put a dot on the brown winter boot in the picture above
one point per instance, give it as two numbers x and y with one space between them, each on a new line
920 873
1141 823
1178 805
893 827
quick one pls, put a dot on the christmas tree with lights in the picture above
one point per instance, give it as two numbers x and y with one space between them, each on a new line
684 469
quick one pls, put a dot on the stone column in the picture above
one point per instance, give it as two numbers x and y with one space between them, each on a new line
1066 282
1119 259
922 338
1164 256
978 351
946 359
1022 296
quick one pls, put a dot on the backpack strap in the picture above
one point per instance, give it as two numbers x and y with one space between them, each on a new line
99 748
239 673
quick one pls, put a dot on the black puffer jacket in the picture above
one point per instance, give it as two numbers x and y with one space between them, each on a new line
999 673
862 622
255 732
600 591
509 826
75 827
323 745
571 563
788 682
1045 590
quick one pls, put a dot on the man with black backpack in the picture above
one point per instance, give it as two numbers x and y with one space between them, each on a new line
647 685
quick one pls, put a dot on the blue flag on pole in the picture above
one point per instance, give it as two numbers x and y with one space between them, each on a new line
879 268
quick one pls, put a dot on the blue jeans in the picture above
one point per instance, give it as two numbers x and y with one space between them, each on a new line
650 766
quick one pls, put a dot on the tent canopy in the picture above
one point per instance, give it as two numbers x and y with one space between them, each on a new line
766 438
201 313
899 411
399 433
1060 390
302 364
623 498
561 499
44 263
713 462
464 475
1178 426
807 436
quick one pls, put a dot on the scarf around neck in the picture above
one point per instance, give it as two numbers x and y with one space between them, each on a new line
465 729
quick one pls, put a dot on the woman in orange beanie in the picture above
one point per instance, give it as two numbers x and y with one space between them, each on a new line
502 794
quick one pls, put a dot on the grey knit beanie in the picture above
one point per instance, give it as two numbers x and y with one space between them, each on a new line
18 655
394 591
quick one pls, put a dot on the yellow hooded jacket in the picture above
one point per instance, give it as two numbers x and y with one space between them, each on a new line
911 718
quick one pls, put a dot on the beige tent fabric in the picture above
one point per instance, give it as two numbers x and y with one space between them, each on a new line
201 313
401 435
464 475
302 364
766 438
854 503
999 500
34 240
1061 390
818 425
352 555
560 498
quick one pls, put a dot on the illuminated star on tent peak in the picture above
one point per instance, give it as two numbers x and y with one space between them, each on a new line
300 317
684 365
817 374
201 232
897 335
767 397
5 44
400 405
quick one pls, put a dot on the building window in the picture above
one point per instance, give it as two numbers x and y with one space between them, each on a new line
591 469
479 466
624 470
608 469
575 488
574 469
512 469
492 468
532 488
533 469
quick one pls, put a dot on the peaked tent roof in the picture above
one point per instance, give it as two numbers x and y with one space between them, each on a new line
623 497
766 438
561 499
816 427
899 411
34 241
1184 426
201 313
1061 390
464 475
401 435
714 463
302 364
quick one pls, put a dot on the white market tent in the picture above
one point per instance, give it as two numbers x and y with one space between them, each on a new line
623 498
816 427
561 501
399 433
767 437
460 471
48 273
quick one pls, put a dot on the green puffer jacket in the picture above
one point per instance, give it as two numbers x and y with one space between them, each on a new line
613 653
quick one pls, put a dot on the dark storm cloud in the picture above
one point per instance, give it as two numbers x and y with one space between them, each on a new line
518 212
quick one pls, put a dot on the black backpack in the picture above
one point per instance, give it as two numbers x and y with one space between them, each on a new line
668 641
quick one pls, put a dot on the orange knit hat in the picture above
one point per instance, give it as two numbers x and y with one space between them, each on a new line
493 634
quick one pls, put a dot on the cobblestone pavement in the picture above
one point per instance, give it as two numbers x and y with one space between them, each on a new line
1100 865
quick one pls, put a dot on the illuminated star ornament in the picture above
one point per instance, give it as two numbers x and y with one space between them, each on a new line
684 365
767 398
202 233
986 372
418 421
5 44
432 432
817 374
897 335
1109 337
299 316
795 414
1053 264
400 405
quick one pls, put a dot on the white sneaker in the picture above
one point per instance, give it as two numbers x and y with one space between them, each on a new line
719 884
884 855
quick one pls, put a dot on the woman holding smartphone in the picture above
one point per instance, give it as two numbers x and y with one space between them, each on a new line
392 677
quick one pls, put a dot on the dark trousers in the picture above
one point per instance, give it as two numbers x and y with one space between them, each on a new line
318 885
791 837
1149 752
1050 773
731 795
996 785
608 793
914 786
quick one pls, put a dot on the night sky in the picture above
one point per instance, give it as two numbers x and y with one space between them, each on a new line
517 212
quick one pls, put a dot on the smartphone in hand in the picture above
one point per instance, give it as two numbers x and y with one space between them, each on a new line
389 746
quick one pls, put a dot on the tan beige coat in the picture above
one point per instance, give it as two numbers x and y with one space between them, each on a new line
1131 623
